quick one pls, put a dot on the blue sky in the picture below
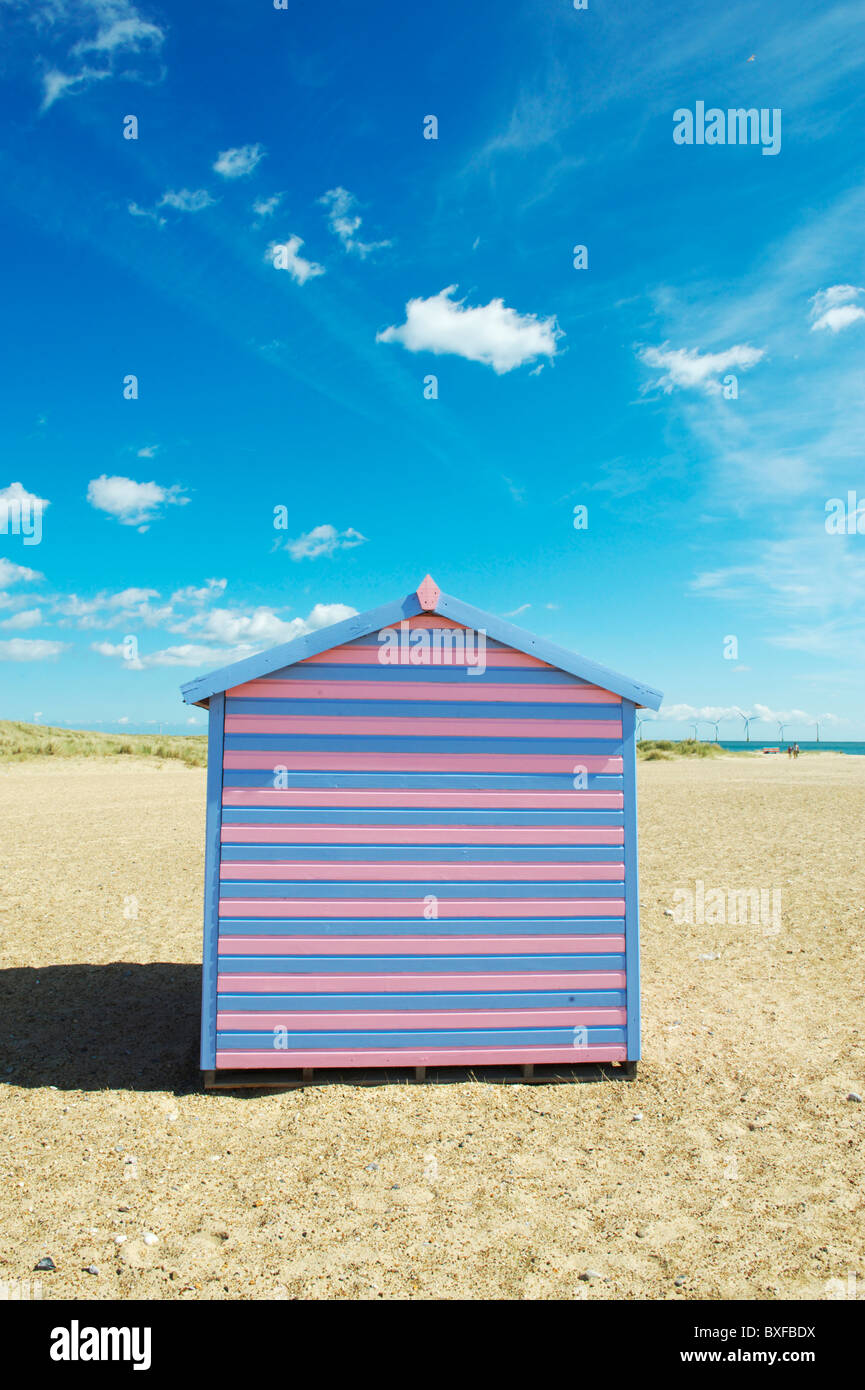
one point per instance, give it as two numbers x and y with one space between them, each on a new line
290 384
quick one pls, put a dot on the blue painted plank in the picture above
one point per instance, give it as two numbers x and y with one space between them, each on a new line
432 675
286 927
495 888
395 708
429 781
415 965
428 743
444 1037
494 999
211 882
364 815
426 854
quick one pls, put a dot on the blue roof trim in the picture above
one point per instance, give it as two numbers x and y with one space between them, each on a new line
199 691
575 665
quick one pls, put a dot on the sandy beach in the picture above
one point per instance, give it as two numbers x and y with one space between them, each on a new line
732 1168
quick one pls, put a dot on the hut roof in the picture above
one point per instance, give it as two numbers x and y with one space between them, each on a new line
428 598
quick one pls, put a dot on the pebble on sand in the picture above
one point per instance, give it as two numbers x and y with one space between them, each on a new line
46 1263
854 1095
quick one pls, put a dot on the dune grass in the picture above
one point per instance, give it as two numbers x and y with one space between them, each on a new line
663 749
20 741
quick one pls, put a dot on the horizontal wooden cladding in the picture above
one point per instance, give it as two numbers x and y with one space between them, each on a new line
294 761
338 981
333 797
396 870
406 906
367 1020
475 817
367 654
416 945
244 1039
417 726
434 835
483 691
398 1001
469 1054
489 855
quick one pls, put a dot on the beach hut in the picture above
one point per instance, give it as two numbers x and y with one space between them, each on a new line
421 850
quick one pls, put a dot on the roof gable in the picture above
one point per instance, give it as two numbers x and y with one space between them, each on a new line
427 599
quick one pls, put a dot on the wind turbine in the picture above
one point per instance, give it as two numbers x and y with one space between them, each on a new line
747 720
817 727
781 728
714 723
696 733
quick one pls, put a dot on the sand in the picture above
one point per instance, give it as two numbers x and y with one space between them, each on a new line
732 1168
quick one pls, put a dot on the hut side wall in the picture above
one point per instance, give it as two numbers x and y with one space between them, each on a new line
417 865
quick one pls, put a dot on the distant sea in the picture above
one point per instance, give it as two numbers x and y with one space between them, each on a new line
824 746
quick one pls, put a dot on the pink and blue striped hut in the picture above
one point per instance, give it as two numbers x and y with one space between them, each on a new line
421 851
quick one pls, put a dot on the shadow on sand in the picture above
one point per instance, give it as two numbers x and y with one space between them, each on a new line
101 1027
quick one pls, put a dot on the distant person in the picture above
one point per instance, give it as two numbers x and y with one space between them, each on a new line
795 750
789 751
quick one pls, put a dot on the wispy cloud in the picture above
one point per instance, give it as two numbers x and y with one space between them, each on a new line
237 163
345 222
30 649
491 333
322 540
186 200
286 256
690 369
113 36
266 207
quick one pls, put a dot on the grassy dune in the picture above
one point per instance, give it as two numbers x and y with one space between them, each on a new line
19 741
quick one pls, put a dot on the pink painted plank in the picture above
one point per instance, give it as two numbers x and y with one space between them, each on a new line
406 798
416 945
481 692
432 1018
421 762
404 1057
394 871
406 907
332 724
453 982
356 654
422 834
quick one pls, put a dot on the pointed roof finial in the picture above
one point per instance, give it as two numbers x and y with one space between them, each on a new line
428 593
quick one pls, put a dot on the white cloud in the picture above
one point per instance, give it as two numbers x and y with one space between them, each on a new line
10 573
490 333
240 634
344 222
690 369
284 256
186 200
238 162
515 612
148 452
265 207
28 617
132 503
17 505
26 649
323 540
835 308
